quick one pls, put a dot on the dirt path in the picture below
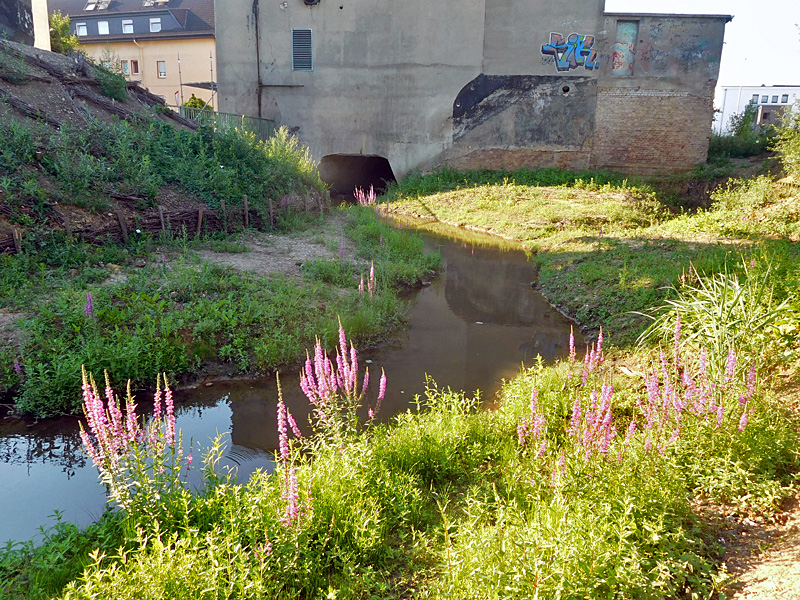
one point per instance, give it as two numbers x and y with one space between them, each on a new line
764 559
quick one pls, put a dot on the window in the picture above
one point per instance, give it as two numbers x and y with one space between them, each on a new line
785 98
91 5
754 99
765 116
155 25
162 68
80 29
302 56
134 67
127 25
107 64
774 99
102 27
764 99
126 67
624 53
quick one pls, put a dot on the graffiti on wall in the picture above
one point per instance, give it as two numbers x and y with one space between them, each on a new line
572 52
624 48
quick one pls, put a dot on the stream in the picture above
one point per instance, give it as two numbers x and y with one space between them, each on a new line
477 323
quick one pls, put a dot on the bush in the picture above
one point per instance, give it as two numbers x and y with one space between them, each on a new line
745 138
787 144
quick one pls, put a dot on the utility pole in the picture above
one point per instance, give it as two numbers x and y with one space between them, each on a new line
180 77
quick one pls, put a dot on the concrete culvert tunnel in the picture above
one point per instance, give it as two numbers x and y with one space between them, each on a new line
346 172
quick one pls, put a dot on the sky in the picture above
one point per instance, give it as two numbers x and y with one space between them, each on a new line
762 43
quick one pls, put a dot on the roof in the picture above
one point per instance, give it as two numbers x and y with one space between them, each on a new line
727 18
193 15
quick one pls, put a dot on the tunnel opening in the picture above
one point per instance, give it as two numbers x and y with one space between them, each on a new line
346 172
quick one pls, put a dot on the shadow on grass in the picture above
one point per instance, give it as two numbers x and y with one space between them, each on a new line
601 281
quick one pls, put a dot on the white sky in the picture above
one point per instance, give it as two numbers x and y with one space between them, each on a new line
762 43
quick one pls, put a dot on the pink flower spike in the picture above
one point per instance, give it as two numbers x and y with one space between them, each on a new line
571 345
293 425
534 403
730 365
743 420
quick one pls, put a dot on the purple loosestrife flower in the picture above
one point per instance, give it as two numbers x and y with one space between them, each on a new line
542 449
677 341
743 419
283 433
571 345
291 497
17 368
575 421
169 409
89 308
361 286
342 251
523 432
730 365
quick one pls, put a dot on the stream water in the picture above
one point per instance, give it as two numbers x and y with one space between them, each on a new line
477 323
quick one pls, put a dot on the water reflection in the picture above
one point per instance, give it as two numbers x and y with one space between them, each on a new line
475 325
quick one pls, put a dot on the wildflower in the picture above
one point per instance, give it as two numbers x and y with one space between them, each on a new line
89 308
743 420
542 449
730 365
17 368
571 345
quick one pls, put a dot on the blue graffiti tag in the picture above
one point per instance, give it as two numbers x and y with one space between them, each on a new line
572 52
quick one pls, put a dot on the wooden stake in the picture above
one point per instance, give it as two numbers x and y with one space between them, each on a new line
246 214
224 214
17 235
200 219
122 227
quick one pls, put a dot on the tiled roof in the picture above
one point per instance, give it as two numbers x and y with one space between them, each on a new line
194 15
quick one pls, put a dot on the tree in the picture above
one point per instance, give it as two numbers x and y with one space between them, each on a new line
195 102
787 144
61 40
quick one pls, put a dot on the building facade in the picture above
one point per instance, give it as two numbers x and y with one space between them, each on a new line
474 83
770 102
166 45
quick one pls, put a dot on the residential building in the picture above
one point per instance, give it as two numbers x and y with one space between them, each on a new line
770 102
474 83
25 21
166 45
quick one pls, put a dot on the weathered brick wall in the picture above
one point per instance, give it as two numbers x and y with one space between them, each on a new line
651 131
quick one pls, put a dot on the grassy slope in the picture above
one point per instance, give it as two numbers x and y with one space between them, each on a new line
606 247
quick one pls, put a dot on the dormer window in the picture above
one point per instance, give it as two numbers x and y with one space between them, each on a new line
80 29
155 25
127 25
102 27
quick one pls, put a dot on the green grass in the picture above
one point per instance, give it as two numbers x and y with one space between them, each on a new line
609 249
180 318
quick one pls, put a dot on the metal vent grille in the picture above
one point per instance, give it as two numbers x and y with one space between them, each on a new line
301 50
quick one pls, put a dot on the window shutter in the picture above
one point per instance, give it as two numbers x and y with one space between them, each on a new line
301 50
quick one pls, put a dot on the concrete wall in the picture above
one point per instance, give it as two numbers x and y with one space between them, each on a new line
41 24
471 83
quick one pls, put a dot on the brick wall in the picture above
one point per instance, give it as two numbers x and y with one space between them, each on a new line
650 131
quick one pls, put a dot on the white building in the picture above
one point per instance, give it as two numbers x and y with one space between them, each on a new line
770 101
